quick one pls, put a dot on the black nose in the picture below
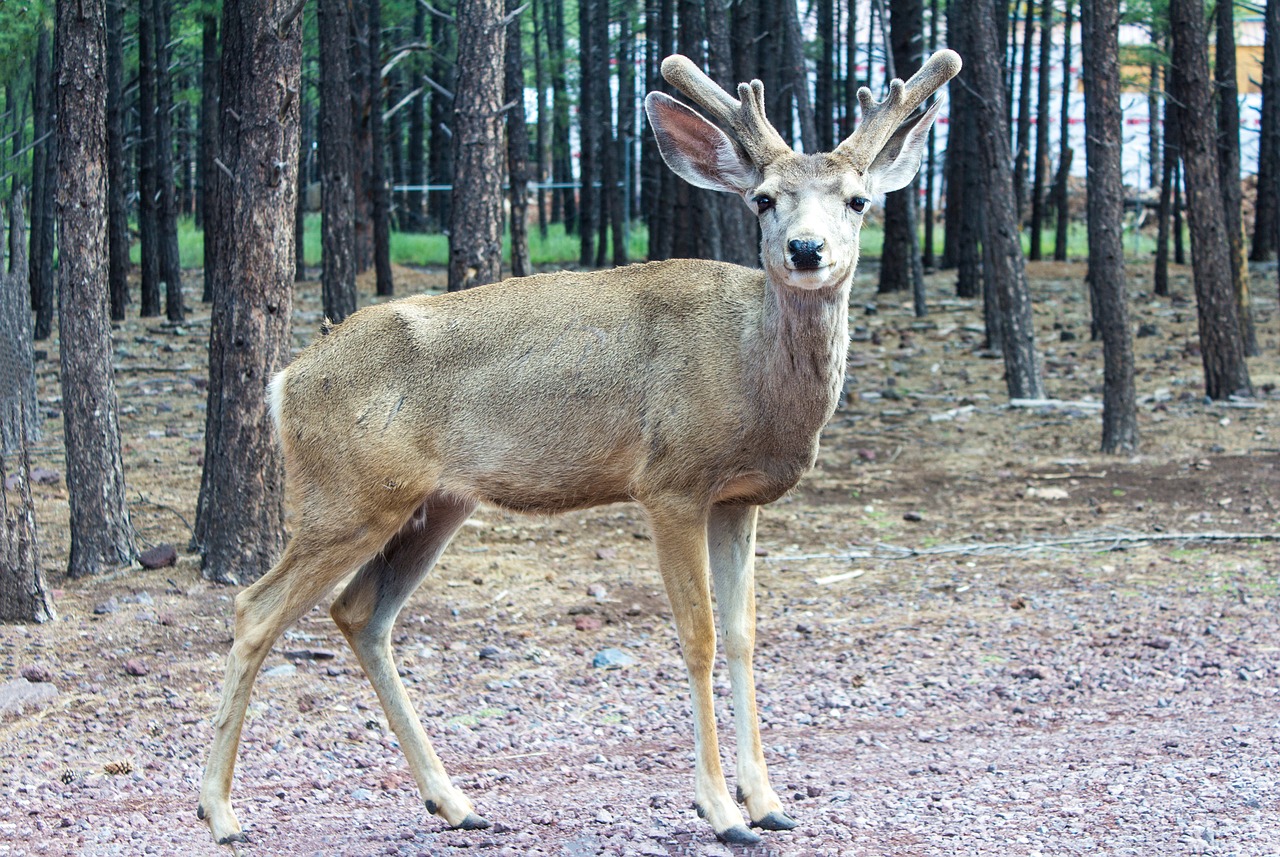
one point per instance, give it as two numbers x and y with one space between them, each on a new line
806 253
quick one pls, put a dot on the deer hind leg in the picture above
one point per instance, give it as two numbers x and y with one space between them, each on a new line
731 538
366 611
680 535
313 562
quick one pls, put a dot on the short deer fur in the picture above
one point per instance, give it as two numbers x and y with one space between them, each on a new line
695 388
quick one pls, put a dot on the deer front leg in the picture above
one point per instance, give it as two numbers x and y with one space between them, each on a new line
731 537
680 535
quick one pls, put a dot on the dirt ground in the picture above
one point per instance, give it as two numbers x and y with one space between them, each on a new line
1113 697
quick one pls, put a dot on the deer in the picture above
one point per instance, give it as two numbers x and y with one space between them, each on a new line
695 388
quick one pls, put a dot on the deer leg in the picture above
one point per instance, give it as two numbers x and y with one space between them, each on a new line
731 538
308 569
680 535
366 612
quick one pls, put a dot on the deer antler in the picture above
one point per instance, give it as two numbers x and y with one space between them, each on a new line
745 118
881 119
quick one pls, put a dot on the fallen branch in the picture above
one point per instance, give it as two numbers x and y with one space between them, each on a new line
1113 541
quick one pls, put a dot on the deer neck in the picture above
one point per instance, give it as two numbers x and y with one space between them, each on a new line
804 339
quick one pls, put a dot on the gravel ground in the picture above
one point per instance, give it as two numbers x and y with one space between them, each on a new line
1037 703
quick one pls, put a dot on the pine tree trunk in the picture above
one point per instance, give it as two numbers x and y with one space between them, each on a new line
659 181
379 187
117 170
588 132
965 200
337 166
1041 177
208 142
900 267
43 168
166 183
610 212
1224 68
1100 29
19 413
542 136
440 149
1022 152
1222 349
824 85
1003 265
240 516
413 219
101 534
475 233
24 597
1266 224
1164 213
517 145
1062 199
148 199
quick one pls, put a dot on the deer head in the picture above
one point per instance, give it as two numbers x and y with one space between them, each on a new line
811 206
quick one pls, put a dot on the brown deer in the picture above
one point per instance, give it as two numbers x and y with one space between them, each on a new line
694 388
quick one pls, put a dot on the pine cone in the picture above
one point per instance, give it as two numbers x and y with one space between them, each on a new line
122 767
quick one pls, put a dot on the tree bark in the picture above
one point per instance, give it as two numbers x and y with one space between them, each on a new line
414 216
379 186
43 179
440 167
1224 69
337 165
517 145
965 200
1100 32
19 414
1164 213
900 267
1062 199
1266 224
1003 265
148 199
101 534
166 185
1222 349
24 597
117 174
588 132
1041 177
1022 151
475 233
824 105
208 142
240 516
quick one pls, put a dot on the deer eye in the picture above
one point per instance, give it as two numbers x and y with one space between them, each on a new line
858 203
763 203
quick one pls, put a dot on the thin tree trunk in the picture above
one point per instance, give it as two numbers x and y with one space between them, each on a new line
43 167
299 208
824 105
900 267
1100 39
1062 198
798 75
379 187
101 534
517 145
1022 152
1041 178
24 596
117 172
1224 68
1221 346
1164 214
208 142
1266 224
166 186
1004 267
440 166
1154 135
413 219
542 143
475 233
337 187
19 412
148 197
240 514
588 132
610 212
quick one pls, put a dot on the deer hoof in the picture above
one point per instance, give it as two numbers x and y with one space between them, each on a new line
238 836
737 835
776 820
473 822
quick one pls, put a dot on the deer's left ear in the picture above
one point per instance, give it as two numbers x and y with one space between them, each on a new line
697 151
899 160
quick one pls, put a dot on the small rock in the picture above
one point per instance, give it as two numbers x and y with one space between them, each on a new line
489 653
587 623
44 476
912 516
612 659
280 671
1066 336
136 668
1148 329
1159 643
310 655
761 551
361 794
111 605
597 590
160 556
604 816
606 553
12 481
36 673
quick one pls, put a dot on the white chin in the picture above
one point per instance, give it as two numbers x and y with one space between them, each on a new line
810 280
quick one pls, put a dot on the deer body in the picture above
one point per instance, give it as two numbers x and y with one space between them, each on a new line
695 388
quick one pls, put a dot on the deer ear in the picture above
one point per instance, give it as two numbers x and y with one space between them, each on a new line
899 160
697 151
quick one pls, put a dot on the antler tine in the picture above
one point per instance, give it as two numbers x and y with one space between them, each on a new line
745 119
881 119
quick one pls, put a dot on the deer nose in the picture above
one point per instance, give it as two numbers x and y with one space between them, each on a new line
806 253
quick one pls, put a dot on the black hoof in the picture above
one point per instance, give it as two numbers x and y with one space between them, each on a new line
473 822
239 836
200 811
775 821
738 835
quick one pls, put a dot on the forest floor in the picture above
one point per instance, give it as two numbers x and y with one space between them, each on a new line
1116 697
